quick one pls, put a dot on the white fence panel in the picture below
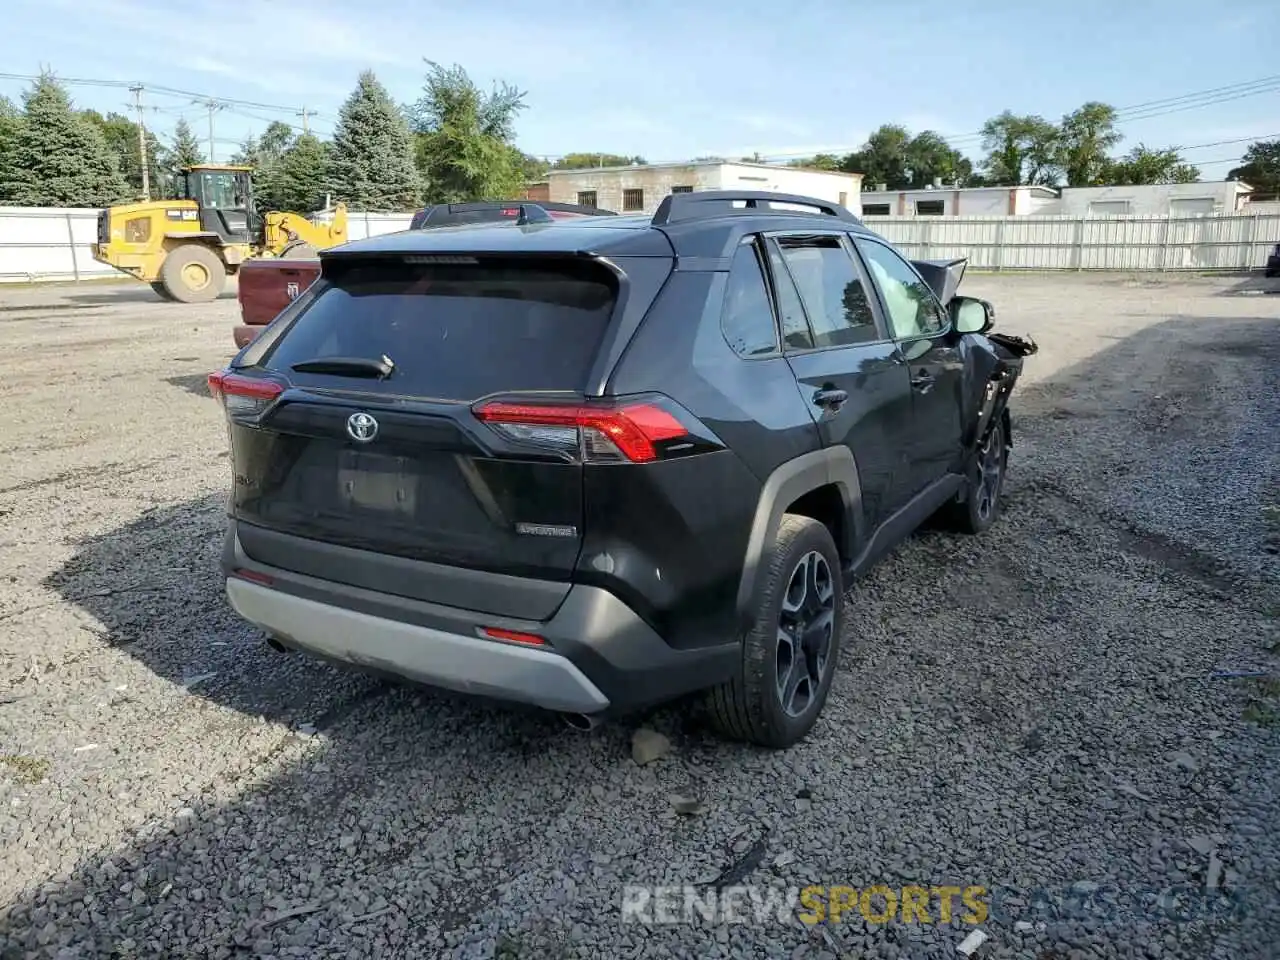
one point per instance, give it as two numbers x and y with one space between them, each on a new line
52 243
1239 241
361 225
49 243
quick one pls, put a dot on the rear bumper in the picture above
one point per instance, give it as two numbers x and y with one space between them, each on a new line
600 656
508 671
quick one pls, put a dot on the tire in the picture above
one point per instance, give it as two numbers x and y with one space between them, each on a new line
193 273
979 503
161 292
750 707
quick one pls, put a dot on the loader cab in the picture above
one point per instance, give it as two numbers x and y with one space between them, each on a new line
224 196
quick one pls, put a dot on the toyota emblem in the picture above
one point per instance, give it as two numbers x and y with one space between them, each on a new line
362 427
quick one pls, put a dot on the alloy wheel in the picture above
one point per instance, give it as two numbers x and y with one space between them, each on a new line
806 629
990 470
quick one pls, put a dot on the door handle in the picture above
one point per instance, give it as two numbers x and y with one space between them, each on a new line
830 398
922 381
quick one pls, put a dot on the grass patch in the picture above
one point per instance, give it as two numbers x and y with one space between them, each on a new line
1264 702
26 770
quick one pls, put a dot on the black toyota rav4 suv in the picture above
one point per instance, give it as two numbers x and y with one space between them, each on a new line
593 465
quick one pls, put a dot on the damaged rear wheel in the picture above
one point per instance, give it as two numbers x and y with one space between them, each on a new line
978 503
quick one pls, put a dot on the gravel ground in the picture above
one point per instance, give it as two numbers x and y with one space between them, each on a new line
1034 711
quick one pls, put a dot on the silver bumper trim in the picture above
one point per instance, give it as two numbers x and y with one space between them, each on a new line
452 661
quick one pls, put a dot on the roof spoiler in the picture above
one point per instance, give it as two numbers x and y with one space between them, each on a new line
532 213
942 276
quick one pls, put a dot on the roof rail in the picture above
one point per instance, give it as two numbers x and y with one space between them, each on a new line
679 207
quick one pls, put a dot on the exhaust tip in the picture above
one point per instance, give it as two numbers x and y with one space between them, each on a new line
581 721
277 646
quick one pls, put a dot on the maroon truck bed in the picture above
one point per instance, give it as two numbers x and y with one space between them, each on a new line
266 286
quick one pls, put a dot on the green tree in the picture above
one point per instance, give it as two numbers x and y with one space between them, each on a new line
10 124
583 161
1261 167
929 157
1144 165
121 135
371 158
1086 138
299 177
465 137
533 168
1021 150
265 154
819 161
56 157
186 150
882 159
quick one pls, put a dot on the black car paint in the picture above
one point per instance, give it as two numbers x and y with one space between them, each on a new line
680 541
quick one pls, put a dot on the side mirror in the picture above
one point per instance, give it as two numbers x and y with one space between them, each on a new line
971 315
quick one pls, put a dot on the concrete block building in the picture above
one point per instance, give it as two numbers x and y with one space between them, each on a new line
639 189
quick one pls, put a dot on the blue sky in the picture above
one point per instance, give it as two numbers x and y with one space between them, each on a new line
674 80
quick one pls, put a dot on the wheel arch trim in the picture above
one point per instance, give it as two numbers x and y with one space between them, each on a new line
830 466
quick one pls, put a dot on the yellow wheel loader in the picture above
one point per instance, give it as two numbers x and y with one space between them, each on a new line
188 246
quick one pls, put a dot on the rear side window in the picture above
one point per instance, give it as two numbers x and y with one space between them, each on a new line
832 291
455 331
747 319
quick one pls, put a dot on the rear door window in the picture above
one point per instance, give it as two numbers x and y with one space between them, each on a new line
454 331
830 286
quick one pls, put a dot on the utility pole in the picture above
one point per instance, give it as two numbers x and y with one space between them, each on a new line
142 143
304 113
212 105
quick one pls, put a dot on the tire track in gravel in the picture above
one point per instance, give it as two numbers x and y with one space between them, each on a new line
90 476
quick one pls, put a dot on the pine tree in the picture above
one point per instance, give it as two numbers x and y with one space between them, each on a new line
186 148
185 152
264 154
466 138
299 179
10 124
57 158
371 161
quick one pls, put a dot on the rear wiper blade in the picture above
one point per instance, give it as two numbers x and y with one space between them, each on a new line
348 366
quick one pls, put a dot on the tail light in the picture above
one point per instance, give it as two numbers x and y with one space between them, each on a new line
636 431
243 396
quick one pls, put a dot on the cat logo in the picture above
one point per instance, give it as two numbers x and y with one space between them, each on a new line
292 290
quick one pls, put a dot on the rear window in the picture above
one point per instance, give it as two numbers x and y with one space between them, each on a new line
455 331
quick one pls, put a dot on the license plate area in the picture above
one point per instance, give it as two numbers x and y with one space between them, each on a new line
377 482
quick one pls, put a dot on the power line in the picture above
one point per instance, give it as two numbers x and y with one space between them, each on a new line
156 88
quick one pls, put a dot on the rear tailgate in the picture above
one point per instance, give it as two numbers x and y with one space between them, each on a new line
267 285
399 465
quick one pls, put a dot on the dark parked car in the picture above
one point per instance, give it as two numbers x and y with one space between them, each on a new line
489 211
1273 262
595 465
